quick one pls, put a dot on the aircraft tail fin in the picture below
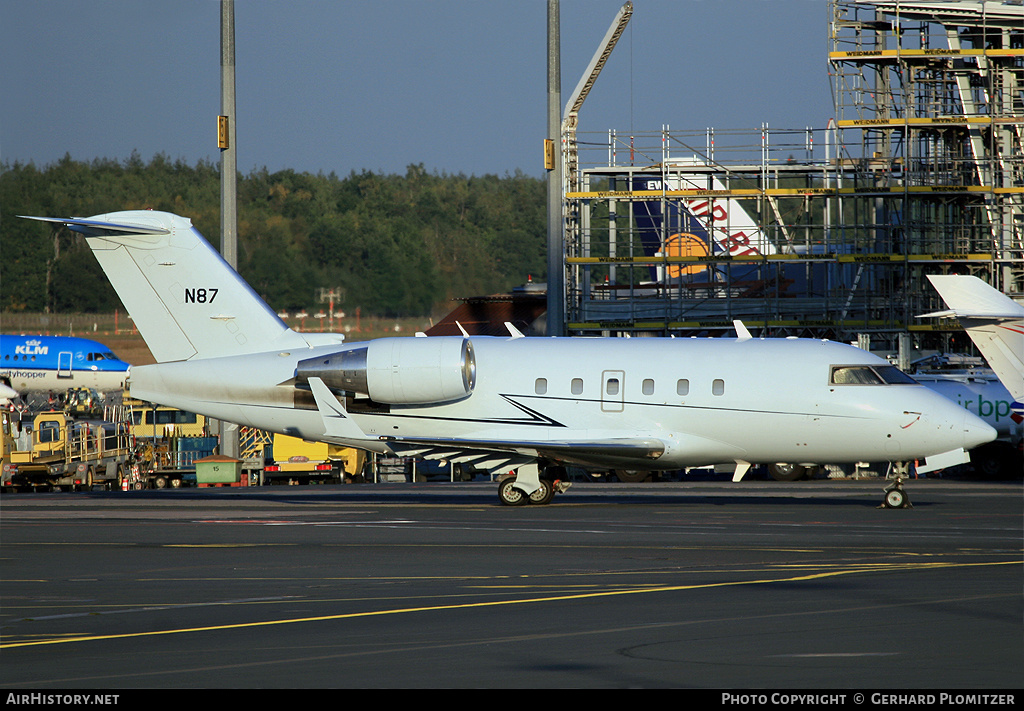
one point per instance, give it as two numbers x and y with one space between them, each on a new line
994 321
186 301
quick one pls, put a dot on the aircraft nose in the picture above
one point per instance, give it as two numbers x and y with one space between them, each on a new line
976 431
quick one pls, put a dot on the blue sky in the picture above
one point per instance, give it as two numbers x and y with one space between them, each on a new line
352 85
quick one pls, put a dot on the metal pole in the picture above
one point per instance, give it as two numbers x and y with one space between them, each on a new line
228 159
229 445
556 249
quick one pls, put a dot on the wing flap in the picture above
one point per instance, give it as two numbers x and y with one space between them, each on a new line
636 452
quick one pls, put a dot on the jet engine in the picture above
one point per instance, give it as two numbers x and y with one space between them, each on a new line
399 371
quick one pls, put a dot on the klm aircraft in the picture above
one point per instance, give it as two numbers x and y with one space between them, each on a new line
525 405
41 363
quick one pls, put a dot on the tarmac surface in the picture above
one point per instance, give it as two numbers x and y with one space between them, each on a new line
709 585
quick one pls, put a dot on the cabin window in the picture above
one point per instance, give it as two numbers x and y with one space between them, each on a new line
541 386
647 386
576 386
718 386
612 387
682 387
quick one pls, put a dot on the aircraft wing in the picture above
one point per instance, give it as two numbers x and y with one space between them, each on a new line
491 454
623 452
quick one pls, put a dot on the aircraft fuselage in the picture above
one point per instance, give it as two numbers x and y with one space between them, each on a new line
707 401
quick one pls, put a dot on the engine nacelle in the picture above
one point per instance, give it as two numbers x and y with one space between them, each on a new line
399 371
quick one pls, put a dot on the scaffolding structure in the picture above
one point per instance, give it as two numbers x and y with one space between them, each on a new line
816 231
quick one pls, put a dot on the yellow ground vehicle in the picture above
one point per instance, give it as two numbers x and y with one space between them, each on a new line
61 453
83 402
169 441
296 461
159 421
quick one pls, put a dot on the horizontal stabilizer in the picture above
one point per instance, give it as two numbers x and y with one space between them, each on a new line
99 228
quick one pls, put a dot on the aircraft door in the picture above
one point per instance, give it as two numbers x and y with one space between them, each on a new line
64 360
613 385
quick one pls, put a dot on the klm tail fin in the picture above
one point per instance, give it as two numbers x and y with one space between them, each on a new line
994 321
186 301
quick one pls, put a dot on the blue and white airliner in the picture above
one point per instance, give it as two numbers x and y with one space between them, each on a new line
42 363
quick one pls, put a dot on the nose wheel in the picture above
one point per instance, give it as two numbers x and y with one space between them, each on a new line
895 496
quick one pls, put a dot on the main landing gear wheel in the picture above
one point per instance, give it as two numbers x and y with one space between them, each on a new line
632 476
786 471
544 494
509 494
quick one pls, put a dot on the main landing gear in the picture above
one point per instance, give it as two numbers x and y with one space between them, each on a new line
512 488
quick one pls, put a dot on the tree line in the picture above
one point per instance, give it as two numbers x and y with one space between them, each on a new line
395 245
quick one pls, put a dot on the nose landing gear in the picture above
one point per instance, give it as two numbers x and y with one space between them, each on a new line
895 497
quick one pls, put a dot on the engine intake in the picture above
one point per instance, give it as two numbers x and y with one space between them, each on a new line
399 371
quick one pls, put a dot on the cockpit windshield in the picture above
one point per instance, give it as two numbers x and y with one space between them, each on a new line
869 375
893 375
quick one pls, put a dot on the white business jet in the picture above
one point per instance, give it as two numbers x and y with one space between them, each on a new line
528 405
